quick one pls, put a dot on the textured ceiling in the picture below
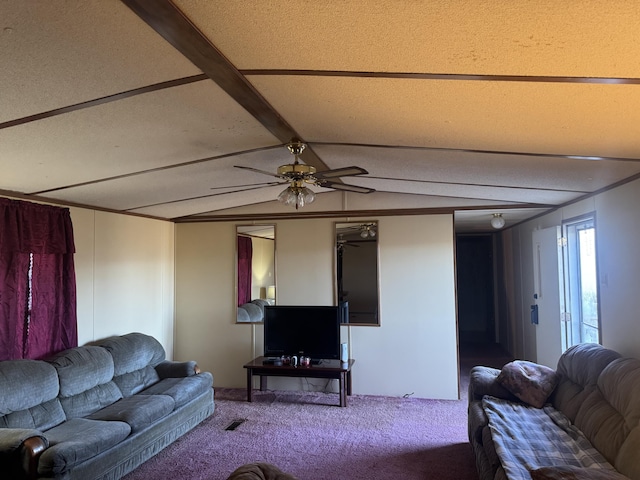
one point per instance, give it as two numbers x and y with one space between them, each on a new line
147 106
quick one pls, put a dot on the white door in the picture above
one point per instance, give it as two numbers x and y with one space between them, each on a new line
547 258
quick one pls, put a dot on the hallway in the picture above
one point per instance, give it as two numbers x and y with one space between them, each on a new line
479 353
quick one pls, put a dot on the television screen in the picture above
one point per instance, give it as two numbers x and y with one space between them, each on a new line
312 331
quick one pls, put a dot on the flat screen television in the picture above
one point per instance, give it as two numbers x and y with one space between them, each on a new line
312 331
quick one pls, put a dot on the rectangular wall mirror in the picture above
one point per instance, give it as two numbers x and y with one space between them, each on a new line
255 271
356 272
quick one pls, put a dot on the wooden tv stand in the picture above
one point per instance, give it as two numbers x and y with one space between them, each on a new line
329 369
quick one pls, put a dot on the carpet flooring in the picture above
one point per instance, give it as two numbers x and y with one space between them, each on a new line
307 435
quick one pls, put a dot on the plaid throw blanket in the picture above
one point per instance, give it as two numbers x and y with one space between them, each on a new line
527 438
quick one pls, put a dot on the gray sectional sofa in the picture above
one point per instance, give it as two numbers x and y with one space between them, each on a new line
586 425
97 411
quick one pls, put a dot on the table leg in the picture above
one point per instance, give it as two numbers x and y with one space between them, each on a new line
349 382
343 389
249 385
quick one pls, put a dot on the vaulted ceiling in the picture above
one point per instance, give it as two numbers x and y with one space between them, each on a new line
146 106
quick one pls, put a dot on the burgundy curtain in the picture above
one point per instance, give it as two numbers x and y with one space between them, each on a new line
245 253
37 280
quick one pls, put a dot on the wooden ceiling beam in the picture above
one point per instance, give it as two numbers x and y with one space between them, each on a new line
170 23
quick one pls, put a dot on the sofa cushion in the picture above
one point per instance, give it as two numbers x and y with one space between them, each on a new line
138 411
86 383
530 382
41 417
133 382
25 384
182 390
627 460
77 440
579 368
82 368
28 395
566 472
134 356
612 410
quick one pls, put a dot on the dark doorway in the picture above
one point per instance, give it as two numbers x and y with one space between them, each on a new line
475 289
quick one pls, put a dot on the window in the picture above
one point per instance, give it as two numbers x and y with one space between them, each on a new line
581 322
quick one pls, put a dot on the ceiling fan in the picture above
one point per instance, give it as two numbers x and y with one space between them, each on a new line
298 175
341 243
363 230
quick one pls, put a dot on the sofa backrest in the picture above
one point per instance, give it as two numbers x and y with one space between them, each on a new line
579 368
86 380
135 357
28 395
612 414
600 393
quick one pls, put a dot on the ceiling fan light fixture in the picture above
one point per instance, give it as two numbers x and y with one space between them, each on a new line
296 195
497 221
367 231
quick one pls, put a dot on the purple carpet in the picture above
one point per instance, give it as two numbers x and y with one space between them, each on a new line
307 435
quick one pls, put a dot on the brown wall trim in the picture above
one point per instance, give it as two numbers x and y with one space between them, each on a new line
444 76
64 203
348 213
487 152
592 194
159 169
107 99
442 182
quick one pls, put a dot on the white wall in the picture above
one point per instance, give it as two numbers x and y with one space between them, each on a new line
414 351
617 233
124 276
205 302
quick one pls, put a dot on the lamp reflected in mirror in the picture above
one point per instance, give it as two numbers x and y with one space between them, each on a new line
356 272
255 271
271 294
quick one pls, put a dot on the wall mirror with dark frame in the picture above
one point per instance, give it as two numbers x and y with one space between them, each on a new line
356 272
255 271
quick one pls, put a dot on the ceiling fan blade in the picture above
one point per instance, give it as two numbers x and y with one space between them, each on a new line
250 185
264 172
341 172
345 187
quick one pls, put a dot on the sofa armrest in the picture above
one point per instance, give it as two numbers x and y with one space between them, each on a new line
482 381
169 369
20 449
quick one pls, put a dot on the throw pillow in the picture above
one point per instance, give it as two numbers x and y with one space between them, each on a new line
575 473
259 471
530 382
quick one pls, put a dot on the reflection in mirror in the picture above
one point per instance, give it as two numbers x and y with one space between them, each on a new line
357 272
255 271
